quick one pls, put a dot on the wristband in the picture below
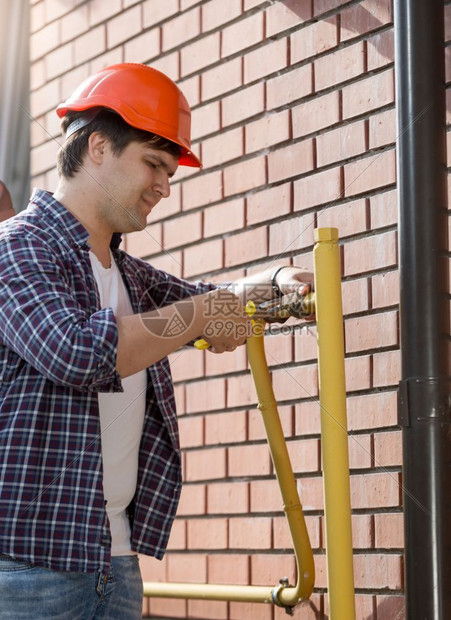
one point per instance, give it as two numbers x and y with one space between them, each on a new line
274 285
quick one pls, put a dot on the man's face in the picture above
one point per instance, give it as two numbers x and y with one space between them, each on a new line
133 184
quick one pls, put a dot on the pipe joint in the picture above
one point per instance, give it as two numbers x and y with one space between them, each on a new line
283 583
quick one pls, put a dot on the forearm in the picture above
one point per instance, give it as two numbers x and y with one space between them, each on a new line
144 339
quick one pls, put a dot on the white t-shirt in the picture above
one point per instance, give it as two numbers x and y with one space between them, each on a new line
121 419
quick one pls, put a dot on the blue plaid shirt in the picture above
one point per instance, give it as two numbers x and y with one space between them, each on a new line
57 351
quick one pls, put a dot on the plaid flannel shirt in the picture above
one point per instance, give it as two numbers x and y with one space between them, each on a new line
57 351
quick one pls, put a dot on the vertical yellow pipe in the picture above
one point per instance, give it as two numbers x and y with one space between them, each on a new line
334 436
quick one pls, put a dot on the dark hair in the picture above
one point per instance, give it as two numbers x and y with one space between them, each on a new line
112 126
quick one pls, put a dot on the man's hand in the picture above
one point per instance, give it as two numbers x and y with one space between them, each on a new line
227 324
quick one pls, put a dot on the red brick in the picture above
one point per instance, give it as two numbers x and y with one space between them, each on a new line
99 11
207 609
168 64
315 114
284 15
340 66
372 252
265 60
290 161
385 289
250 533
290 235
184 27
201 190
362 531
368 94
322 188
265 496
378 571
382 129
257 428
45 40
145 242
205 464
381 50
229 569
186 363
124 26
304 455
223 364
216 13
364 17
365 606
229 427
223 498
91 44
282 536
314 39
207 534
204 121
148 41
247 246
341 144
161 607
306 343
372 411
180 230
59 61
289 87
267 569
370 173
221 79
322 6
191 431
192 500
279 348
202 258
295 383
226 146
375 490
44 98
238 611
249 460
37 17
245 176
265 205
205 395
200 54
357 371
241 35
386 368
106 59
187 568
243 104
44 157
355 296
384 209
177 540
360 452
267 131
391 607
389 530
371 332
191 89
169 262
153 569
225 217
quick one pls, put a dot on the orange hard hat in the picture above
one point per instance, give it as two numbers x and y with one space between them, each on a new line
144 97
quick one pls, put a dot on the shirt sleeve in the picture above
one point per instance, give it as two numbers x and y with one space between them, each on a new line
43 323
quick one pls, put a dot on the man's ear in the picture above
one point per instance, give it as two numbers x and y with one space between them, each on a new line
97 145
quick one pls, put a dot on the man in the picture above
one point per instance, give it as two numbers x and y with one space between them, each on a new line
90 462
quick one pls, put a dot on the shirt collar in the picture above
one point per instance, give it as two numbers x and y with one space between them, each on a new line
64 219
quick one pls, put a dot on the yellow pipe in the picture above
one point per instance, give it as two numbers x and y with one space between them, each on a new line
334 436
282 595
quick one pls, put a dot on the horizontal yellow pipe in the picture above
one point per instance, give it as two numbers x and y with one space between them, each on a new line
206 591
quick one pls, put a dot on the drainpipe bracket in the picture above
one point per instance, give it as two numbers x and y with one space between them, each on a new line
283 583
424 399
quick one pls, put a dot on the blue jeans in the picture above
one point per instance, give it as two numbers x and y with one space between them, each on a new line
29 592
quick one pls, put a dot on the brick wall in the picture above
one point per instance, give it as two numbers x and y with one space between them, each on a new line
293 116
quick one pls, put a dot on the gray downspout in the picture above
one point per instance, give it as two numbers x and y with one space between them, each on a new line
425 387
